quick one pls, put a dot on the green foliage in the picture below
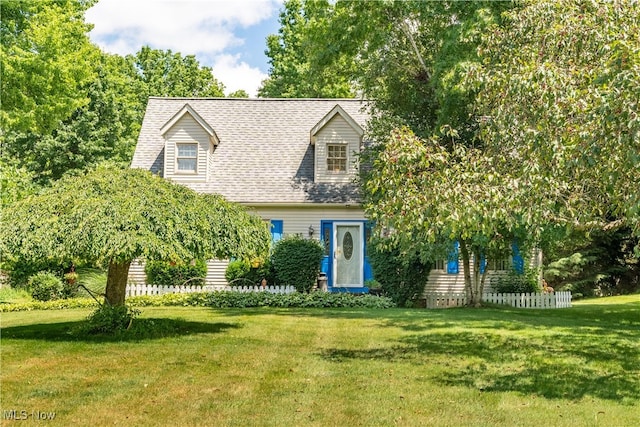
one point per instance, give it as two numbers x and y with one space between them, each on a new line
115 216
598 263
163 273
401 276
293 73
230 299
46 59
296 262
225 299
563 100
243 273
516 283
20 270
45 286
15 182
165 73
59 304
110 320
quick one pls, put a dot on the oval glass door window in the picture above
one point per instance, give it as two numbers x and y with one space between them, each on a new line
347 245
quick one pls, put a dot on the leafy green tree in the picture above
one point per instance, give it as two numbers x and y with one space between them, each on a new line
240 93
560 85
104 129
165 73
113 216
293 73
15 182
46 59
432 193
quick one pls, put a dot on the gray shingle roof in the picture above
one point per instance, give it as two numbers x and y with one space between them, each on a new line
264 155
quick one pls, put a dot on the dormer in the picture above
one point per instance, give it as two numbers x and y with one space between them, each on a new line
337 139
189 145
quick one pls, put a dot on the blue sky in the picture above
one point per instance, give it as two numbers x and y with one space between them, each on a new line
227 35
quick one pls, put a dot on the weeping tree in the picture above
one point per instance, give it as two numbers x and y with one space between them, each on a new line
113 216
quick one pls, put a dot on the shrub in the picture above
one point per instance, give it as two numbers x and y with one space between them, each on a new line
110 319
402 277
163 273
19 271
242 273
516 283
296 262
45 286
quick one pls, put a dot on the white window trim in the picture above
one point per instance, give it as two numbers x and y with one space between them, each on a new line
186 172
346 159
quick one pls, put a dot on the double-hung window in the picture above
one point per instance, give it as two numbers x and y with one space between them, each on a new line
337 158
187 158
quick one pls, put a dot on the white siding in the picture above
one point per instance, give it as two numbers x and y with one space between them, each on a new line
186 130
136 273
215 272
441 281
336 131
296 220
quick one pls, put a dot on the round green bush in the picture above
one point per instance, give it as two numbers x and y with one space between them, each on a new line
517 283
241 273
296 262
45 286
163 273
402 277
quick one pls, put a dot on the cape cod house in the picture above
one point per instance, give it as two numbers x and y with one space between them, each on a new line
292 161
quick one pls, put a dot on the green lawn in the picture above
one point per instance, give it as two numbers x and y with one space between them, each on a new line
296 367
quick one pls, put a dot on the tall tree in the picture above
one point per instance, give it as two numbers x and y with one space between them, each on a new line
46 59
104 129
560 97
166 73
293 73
114 216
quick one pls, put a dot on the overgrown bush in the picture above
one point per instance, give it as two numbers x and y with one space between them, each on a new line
45 286
296 262
19 271
516 283
163 273
402 277
110 319
242 273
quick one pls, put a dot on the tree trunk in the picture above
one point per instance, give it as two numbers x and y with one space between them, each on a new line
116 282
472 286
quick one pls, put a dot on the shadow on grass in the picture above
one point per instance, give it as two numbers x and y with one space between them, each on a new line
555 366
140 330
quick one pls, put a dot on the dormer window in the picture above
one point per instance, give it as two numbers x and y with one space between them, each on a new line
187 158
337 157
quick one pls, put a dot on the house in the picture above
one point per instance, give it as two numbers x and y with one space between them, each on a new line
291 161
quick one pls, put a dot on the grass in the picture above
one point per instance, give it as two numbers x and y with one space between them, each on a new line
326 367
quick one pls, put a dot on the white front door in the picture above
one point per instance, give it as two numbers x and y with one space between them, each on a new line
348 254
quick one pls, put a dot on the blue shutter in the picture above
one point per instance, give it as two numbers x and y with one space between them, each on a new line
452 260
276 229
483 263
368 271
326 228
518 262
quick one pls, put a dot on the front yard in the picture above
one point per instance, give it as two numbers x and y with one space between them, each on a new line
342 367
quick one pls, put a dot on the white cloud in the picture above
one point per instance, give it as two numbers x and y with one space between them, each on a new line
204 28
236 74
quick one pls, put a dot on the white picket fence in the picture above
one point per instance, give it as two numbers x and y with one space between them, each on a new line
528 300
138 290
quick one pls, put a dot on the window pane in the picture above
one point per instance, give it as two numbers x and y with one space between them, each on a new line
187 150
337 158
187 165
